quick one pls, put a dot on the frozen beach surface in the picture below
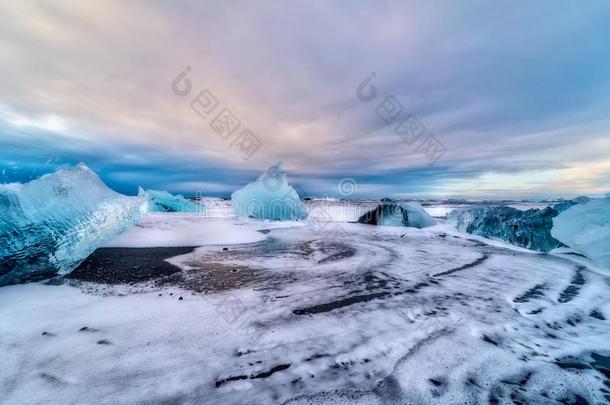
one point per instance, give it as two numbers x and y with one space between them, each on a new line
337 313
175 230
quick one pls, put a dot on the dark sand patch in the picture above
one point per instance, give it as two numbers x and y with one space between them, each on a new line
115 266
464 267
204 276
571 291
533 293
128 265
264 374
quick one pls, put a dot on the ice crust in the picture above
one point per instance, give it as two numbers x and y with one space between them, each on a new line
586 228
50 224
529 229
269 197
162 201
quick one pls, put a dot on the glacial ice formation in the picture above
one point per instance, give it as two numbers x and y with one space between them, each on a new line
391 213
388 213
269 197
586 228
529 229
564 205
418 217
49 225
162 201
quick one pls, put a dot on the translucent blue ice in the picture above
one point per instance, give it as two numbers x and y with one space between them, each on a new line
162 201
564 205
586 228
49 225
529 229
418 217
269 197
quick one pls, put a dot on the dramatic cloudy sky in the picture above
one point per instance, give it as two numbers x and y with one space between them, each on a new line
517 94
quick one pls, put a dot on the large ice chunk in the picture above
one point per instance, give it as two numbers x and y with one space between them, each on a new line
586 228
388 213
564 205
162 201
529 229
269 197
391 213
418 217
49 225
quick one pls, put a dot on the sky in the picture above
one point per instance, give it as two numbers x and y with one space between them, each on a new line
438 99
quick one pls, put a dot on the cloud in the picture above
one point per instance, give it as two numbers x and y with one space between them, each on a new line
509 89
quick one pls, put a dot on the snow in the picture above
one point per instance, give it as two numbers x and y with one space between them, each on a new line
52 223
269 197
368 315
217 208
338 210
318 311
586 228
162 201
177 229
438 211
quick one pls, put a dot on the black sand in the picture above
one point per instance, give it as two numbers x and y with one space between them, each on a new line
136 265
128 265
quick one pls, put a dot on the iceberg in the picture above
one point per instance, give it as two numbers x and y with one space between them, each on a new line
388 213
529 229
50 224
269 197
564 205
162 201
418 217
586 228
391 213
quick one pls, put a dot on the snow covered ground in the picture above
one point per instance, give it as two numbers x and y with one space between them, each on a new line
319 311
178 229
